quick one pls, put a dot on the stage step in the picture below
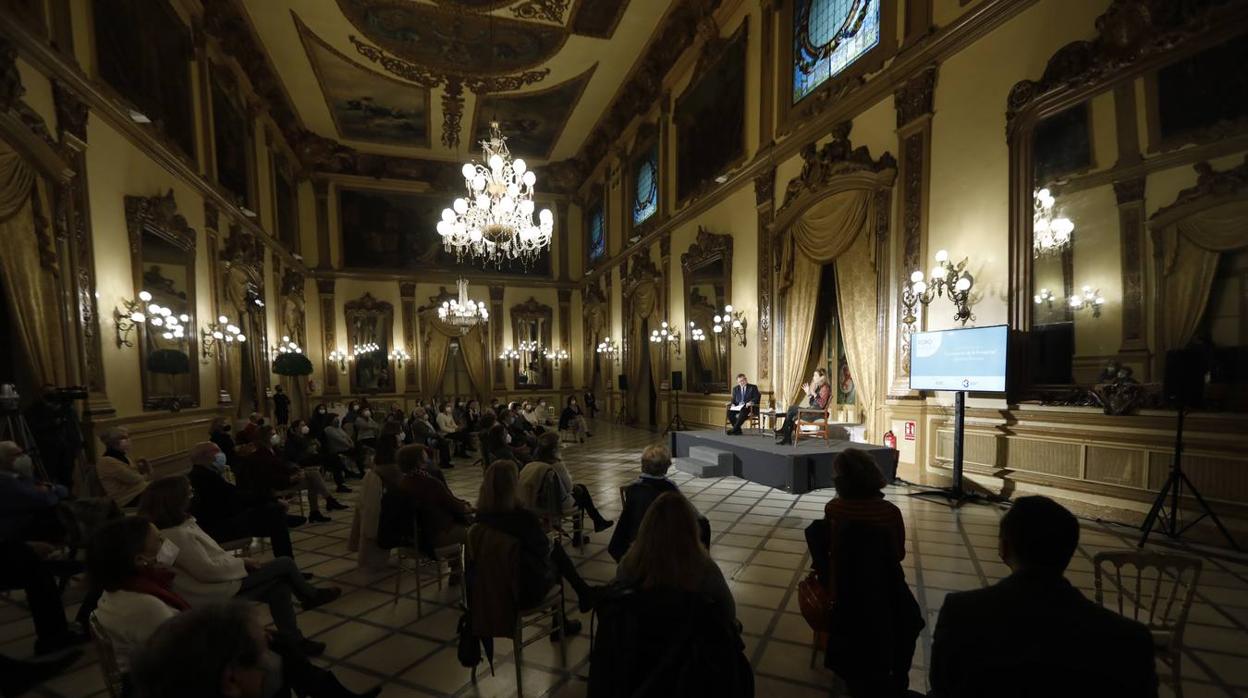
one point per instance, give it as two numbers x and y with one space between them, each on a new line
704 461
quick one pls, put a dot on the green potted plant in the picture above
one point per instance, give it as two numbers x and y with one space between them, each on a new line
292 364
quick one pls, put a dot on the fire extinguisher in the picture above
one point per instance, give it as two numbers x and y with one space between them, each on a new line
890 439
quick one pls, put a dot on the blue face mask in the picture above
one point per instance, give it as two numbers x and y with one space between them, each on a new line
218 463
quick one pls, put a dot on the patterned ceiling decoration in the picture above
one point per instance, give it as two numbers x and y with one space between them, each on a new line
598 18
365 105
444 39
477 5
532 121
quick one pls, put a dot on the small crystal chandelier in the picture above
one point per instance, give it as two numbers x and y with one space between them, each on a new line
1049 235
463 312
494 224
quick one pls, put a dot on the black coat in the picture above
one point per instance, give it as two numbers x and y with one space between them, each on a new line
216 500
638 496
1037 635
536 572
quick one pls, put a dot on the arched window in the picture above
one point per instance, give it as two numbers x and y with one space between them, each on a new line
646 186
828 36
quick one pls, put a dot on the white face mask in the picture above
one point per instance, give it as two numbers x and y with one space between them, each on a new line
507 438
275 440
167 554
23 465
219 462
304 430
367 413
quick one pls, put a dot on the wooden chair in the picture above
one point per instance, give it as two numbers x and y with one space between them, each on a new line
421 562
108 657
550 507
813 423
750 421
1159 595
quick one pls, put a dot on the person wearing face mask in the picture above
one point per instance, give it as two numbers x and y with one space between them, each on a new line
498 445
123 481
304 451
225 512
353 411
220 434
366 429
131 561
448 428
339 448
423 432
320 419
27 506
264 474
208 573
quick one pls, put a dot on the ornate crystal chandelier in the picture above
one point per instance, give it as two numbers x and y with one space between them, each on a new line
463 312
494 223
1049 235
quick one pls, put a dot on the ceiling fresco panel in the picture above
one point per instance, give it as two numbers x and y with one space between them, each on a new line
451 40
532 121
365 105
597 18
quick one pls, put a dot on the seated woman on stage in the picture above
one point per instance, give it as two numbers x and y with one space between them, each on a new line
817 394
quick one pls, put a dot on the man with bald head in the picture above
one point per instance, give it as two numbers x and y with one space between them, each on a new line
27 506
225 512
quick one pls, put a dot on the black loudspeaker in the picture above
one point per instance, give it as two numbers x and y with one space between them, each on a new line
678 380
622 381
1185 377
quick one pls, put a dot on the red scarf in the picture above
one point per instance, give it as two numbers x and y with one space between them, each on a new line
158 583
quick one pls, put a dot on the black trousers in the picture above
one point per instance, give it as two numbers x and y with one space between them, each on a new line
22 569
267 520
580 494
738 417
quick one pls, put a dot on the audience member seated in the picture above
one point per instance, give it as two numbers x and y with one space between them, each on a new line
540 563
498 445
225 512
640 494
572 496
304 451
353 411
1033 633
25 568
817 393
220 433
223 651
522 430
319 420
123 481
423 432
339 448
365 429
745 401
444 518
448 428
875 620
27 505
264 473
668 554
572 419
247 434
366 518
472 415
207 573
386 460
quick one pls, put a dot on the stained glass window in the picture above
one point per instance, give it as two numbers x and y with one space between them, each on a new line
829 35
646 186
597 235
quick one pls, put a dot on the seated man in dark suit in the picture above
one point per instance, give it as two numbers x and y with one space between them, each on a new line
640 494
1033 633
745 399
226 513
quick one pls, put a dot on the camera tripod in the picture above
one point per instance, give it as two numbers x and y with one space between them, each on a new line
676 423
1168 514
13 427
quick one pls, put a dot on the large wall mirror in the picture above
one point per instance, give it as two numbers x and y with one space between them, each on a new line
1130 223
370 328
531 323
707 270
162 248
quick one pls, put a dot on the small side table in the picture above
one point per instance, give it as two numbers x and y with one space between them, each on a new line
767 421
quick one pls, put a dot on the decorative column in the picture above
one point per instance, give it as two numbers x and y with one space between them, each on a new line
320 188
212 233
666 190
75 215
767 78
496 334
407 291
561 213
565 336
913 101
765 200
1130 194
329 340
665 303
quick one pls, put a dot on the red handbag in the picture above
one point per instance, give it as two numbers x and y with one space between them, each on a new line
815 602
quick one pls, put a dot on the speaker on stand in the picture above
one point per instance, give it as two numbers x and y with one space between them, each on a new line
676 423
621 412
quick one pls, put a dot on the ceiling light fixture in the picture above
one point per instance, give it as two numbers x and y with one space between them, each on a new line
1050 235
463 312
494 223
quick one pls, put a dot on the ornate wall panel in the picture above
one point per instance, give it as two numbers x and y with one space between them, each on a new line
407 291
765 200
329 338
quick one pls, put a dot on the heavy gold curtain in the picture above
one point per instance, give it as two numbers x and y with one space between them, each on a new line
472 345
642 302
1190 248
438 336
29 272
833 230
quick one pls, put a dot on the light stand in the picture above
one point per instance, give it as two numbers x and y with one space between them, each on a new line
676 423
1173 487
955 495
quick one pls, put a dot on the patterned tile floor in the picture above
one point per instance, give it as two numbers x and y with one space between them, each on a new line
758 541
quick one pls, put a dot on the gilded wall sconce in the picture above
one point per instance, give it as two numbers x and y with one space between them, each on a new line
947 279
732 320
217 336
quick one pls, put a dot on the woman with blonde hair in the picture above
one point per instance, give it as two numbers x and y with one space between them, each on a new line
668 554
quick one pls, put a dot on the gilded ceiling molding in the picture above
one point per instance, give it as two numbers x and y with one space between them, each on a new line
549 10
432 78
71 112
161 212
837 158
1211 188
452 112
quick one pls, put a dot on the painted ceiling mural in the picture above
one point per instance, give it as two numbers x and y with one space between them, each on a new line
444 39
365 105
598 18
531 121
